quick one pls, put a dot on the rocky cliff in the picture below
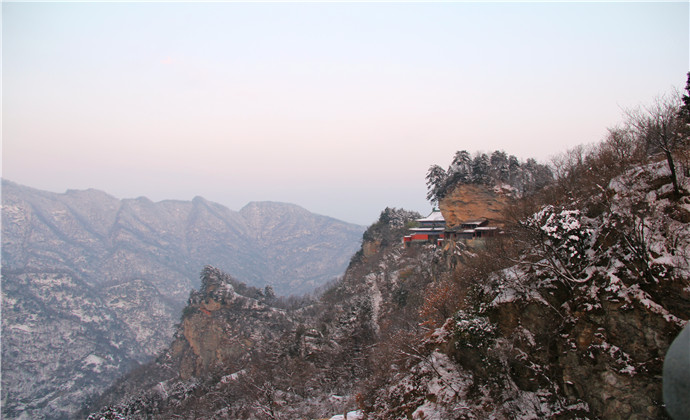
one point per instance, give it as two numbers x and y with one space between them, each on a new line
472 201
221 328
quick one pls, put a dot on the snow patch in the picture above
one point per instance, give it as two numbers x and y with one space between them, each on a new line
94 363
24 328
352 415
232 377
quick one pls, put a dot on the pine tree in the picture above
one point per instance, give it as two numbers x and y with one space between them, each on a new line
481 169
684 112
436 183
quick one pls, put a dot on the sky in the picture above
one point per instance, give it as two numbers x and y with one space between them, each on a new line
338 107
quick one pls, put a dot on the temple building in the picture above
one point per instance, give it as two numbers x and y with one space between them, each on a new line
432 229
472 229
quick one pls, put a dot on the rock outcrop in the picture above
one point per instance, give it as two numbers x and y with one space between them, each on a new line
220 328
475 201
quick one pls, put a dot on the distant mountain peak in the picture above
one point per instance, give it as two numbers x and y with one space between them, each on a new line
253 206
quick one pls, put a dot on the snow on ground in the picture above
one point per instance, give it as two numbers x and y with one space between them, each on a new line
25 328
94 362
232 377
352 415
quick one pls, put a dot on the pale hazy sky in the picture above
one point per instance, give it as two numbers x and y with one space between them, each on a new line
338 107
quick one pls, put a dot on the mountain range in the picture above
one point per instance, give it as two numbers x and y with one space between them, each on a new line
93 284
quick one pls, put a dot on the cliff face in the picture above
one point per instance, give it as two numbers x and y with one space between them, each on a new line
471 201
220 328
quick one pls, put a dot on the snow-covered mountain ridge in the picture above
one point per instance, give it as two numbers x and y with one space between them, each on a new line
93 285
100 237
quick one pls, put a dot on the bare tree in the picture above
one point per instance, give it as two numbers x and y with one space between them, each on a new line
660 128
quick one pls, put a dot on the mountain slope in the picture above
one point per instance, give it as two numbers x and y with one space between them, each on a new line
134 262
289 236
568 315
64 339
236 356
105 239
574 323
